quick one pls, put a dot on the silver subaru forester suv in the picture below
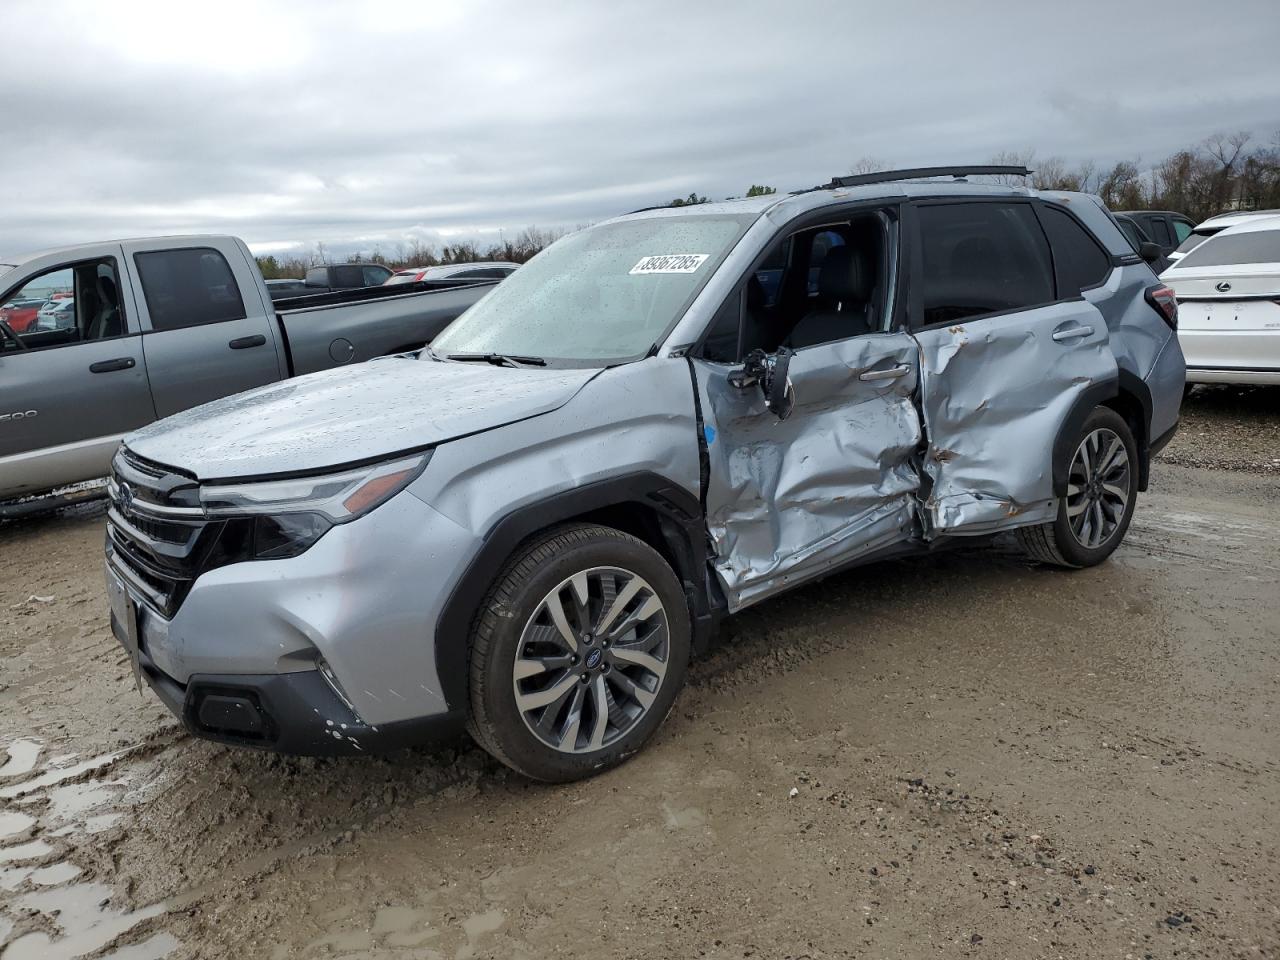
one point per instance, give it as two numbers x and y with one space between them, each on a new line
530 527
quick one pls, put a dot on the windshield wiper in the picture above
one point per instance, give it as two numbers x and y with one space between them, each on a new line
499 359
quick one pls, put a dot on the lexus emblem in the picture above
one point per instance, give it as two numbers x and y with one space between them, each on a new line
1223 286
126 499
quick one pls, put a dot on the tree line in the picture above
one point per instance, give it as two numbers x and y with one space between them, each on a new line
1223 172
417 253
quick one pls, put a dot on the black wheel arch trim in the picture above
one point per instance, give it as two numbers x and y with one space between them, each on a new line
680 521
1126 384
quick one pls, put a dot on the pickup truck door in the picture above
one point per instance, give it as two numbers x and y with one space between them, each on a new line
208 329
80 383
1007 371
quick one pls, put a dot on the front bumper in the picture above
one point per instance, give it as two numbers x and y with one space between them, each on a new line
365 601
295 713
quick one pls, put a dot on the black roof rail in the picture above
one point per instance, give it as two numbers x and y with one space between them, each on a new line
920 173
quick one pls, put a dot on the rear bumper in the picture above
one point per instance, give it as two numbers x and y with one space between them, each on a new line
295 713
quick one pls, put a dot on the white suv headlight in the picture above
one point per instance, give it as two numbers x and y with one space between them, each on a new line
338 497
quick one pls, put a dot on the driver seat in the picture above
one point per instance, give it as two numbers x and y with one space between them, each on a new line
106 322
846 281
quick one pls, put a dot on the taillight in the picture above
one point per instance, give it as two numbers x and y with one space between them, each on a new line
1166 304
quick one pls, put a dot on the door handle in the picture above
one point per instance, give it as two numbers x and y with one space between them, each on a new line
107 366
1070 333
244 343
890 374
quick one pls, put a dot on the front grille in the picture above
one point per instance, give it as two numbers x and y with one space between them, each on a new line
157 536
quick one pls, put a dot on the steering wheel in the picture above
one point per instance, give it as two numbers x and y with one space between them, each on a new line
8 333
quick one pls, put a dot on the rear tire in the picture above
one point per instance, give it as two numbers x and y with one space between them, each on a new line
1102 491
577 654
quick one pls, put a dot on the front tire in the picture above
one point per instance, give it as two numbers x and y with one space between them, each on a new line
577 654
1102 490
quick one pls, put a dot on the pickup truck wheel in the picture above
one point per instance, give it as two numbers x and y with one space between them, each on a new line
1102 490
577 654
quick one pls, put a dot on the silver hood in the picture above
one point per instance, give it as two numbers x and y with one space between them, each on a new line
350 414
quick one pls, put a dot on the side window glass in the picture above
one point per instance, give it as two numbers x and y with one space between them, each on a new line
375 276
1160 231
317 277
1079 260
982 258
721 344
769 274
1182 229
188 288
65 305
348 276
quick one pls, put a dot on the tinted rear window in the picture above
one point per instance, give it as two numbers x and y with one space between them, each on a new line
187 288
1261 246
1193 241
982 258
1078 260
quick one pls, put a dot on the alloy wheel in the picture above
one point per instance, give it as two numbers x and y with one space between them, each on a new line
591 659
1098 488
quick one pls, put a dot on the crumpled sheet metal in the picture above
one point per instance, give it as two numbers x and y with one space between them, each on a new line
788 499
993 397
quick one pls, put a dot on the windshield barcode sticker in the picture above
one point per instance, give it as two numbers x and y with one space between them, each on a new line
671 263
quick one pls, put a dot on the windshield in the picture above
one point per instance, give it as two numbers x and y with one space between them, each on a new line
1258 246
604 294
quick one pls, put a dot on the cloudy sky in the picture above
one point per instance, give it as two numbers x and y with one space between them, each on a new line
357 124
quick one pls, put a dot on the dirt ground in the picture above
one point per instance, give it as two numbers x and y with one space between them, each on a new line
963 756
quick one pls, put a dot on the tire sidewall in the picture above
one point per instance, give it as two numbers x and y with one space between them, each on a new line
1071 549
531 755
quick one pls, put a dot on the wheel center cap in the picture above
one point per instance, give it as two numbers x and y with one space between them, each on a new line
593 658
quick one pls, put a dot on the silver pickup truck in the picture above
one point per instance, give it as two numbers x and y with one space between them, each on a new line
100 339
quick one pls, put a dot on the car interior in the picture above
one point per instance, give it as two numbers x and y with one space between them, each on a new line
815 286
95 315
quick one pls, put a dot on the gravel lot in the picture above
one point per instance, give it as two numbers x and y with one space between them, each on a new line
966 755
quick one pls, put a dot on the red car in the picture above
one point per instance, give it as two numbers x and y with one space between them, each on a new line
20 314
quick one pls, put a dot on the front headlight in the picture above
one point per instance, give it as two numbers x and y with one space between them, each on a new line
337 497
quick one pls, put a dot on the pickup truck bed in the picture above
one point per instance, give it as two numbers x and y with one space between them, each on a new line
165 324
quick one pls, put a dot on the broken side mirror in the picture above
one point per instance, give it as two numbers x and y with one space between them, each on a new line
770 372
1149 251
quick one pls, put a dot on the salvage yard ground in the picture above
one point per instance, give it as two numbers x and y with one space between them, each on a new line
966 755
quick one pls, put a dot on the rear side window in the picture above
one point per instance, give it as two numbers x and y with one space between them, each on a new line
317 277
981 258
188 288
1078 260
1260 246
348 276
1193 241
1159 230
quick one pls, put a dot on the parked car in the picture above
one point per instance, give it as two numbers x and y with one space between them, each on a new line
19 315
1140 242
489 270
156 326
1166 228
283 289
1217 224
530 527
345 276
1228 289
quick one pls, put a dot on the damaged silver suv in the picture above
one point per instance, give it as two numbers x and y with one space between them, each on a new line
530 527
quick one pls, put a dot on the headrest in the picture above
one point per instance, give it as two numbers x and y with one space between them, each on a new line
846 274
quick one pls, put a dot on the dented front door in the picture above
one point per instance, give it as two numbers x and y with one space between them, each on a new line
790 499
995 392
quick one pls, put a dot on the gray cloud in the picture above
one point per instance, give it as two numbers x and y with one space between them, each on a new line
360 124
